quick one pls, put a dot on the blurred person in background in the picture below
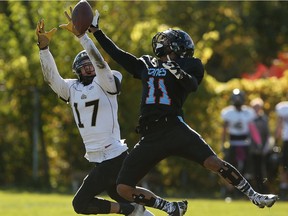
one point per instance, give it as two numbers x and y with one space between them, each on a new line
237 118
259 147
236 135
281 135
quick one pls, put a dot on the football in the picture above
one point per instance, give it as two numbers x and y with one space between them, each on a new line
82 16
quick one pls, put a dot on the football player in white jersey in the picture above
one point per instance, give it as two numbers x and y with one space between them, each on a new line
237 118
236 135
93 100
282 134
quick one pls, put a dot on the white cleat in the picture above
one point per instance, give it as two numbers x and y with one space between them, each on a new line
148 213
262 200
180 208
140 210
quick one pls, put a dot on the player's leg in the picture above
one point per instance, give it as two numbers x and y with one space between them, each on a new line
147 153
196 149
146 197
232 176
97 181
228 189
112 192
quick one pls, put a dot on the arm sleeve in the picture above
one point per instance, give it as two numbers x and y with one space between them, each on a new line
129 62
189 82
193 73
103 71
52 76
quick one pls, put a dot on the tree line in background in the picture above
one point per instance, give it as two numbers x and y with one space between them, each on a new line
39 141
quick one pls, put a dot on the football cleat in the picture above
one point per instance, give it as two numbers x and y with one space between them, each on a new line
140 210
262 200
179 208
148 213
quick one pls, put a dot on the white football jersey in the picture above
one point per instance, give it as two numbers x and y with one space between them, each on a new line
95 113
282 111
238 121
95 110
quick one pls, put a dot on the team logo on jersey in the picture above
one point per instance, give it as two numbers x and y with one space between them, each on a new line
157 72
83 96
238 125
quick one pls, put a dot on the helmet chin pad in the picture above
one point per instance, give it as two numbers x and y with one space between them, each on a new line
86 80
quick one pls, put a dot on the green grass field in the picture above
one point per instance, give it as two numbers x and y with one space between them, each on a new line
38 204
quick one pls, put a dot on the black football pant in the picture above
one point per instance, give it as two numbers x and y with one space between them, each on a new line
168 136
102 178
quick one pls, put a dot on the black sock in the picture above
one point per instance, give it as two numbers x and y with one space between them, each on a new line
126 208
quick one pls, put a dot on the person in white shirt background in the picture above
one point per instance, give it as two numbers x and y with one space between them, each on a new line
260 147
236 133
281 136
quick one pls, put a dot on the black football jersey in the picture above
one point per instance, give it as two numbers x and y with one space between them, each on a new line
163 94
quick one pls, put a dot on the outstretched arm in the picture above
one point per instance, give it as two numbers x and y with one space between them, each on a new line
105 76
49 68
107 80
128 61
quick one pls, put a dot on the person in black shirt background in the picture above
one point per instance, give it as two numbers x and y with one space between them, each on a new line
167 80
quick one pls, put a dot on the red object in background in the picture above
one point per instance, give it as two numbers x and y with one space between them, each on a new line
261 72
277 68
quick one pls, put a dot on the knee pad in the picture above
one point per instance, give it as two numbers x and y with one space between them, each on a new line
229 173
78 206
95 206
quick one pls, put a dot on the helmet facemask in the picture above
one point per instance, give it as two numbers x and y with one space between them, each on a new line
176 41
80 61
161 44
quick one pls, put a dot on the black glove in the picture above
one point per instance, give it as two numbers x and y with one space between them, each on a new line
174 68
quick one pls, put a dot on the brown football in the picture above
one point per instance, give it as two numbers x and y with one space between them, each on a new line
82 16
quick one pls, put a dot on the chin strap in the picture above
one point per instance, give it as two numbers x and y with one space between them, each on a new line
168 57
86 80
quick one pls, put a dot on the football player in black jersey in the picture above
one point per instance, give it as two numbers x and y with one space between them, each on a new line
167 79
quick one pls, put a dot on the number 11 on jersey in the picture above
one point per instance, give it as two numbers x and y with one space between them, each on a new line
160 86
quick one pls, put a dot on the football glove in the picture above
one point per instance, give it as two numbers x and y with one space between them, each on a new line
95 23
174 68
69 26
44 37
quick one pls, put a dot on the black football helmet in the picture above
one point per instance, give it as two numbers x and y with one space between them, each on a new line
237 97
79 61
177 41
